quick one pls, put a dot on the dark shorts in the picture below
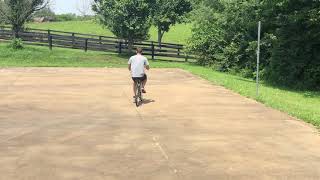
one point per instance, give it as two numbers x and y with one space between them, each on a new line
140 78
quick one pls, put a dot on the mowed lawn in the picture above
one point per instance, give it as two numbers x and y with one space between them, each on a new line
301 104
177 34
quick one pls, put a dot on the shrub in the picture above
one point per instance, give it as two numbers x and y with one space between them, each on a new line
16 43
225 36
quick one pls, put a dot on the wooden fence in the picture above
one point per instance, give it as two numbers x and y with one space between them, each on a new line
52 38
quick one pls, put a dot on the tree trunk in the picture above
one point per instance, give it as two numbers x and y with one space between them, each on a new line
15 31
160 35
130 45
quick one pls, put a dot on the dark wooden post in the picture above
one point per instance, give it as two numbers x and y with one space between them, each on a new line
50 42
152 49
100 39
120 47
86 45
178 51
187 57
73 40
49 34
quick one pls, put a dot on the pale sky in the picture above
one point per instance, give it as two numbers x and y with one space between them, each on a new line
70 6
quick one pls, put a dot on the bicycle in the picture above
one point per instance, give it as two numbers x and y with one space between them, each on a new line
138 98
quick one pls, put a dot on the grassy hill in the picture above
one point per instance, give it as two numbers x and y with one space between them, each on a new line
178 34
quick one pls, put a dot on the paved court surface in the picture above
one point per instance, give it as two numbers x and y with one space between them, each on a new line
73 124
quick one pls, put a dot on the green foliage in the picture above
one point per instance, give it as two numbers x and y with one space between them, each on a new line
17 12
295 59
16 44
2 20
131 19
126 19
166 13
225 33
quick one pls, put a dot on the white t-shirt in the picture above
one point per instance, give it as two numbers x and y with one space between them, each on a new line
138 63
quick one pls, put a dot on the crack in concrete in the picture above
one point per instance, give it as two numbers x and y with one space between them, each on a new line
156 141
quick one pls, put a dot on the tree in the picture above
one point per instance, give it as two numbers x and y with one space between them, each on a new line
295 58
2 21
224 34
84 7
127 19
17 12
225 37
166 13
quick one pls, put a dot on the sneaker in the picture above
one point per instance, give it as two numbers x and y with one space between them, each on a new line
144 91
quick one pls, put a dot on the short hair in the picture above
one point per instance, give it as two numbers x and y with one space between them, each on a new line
139 50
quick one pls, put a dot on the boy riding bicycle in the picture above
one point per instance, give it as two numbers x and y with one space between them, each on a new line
137 65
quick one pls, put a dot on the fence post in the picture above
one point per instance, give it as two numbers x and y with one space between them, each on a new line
187 57
152 49
73 40
100 38
50 42
120 47
49 34
178 51
86 45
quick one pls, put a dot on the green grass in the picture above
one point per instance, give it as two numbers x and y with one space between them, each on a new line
178 34
32 56
300 104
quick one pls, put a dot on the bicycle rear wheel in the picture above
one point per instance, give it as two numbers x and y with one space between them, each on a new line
138 96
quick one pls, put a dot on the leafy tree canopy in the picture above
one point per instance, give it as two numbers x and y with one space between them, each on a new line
17 12
127 19
225 36
166 13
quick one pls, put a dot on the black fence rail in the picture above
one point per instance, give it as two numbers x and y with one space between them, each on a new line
52 38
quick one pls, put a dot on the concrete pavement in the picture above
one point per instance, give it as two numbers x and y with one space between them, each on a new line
78 123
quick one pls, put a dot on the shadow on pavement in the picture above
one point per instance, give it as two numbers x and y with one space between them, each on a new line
148 101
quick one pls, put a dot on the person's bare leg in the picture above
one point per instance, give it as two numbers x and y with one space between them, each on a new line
144 84
134 89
